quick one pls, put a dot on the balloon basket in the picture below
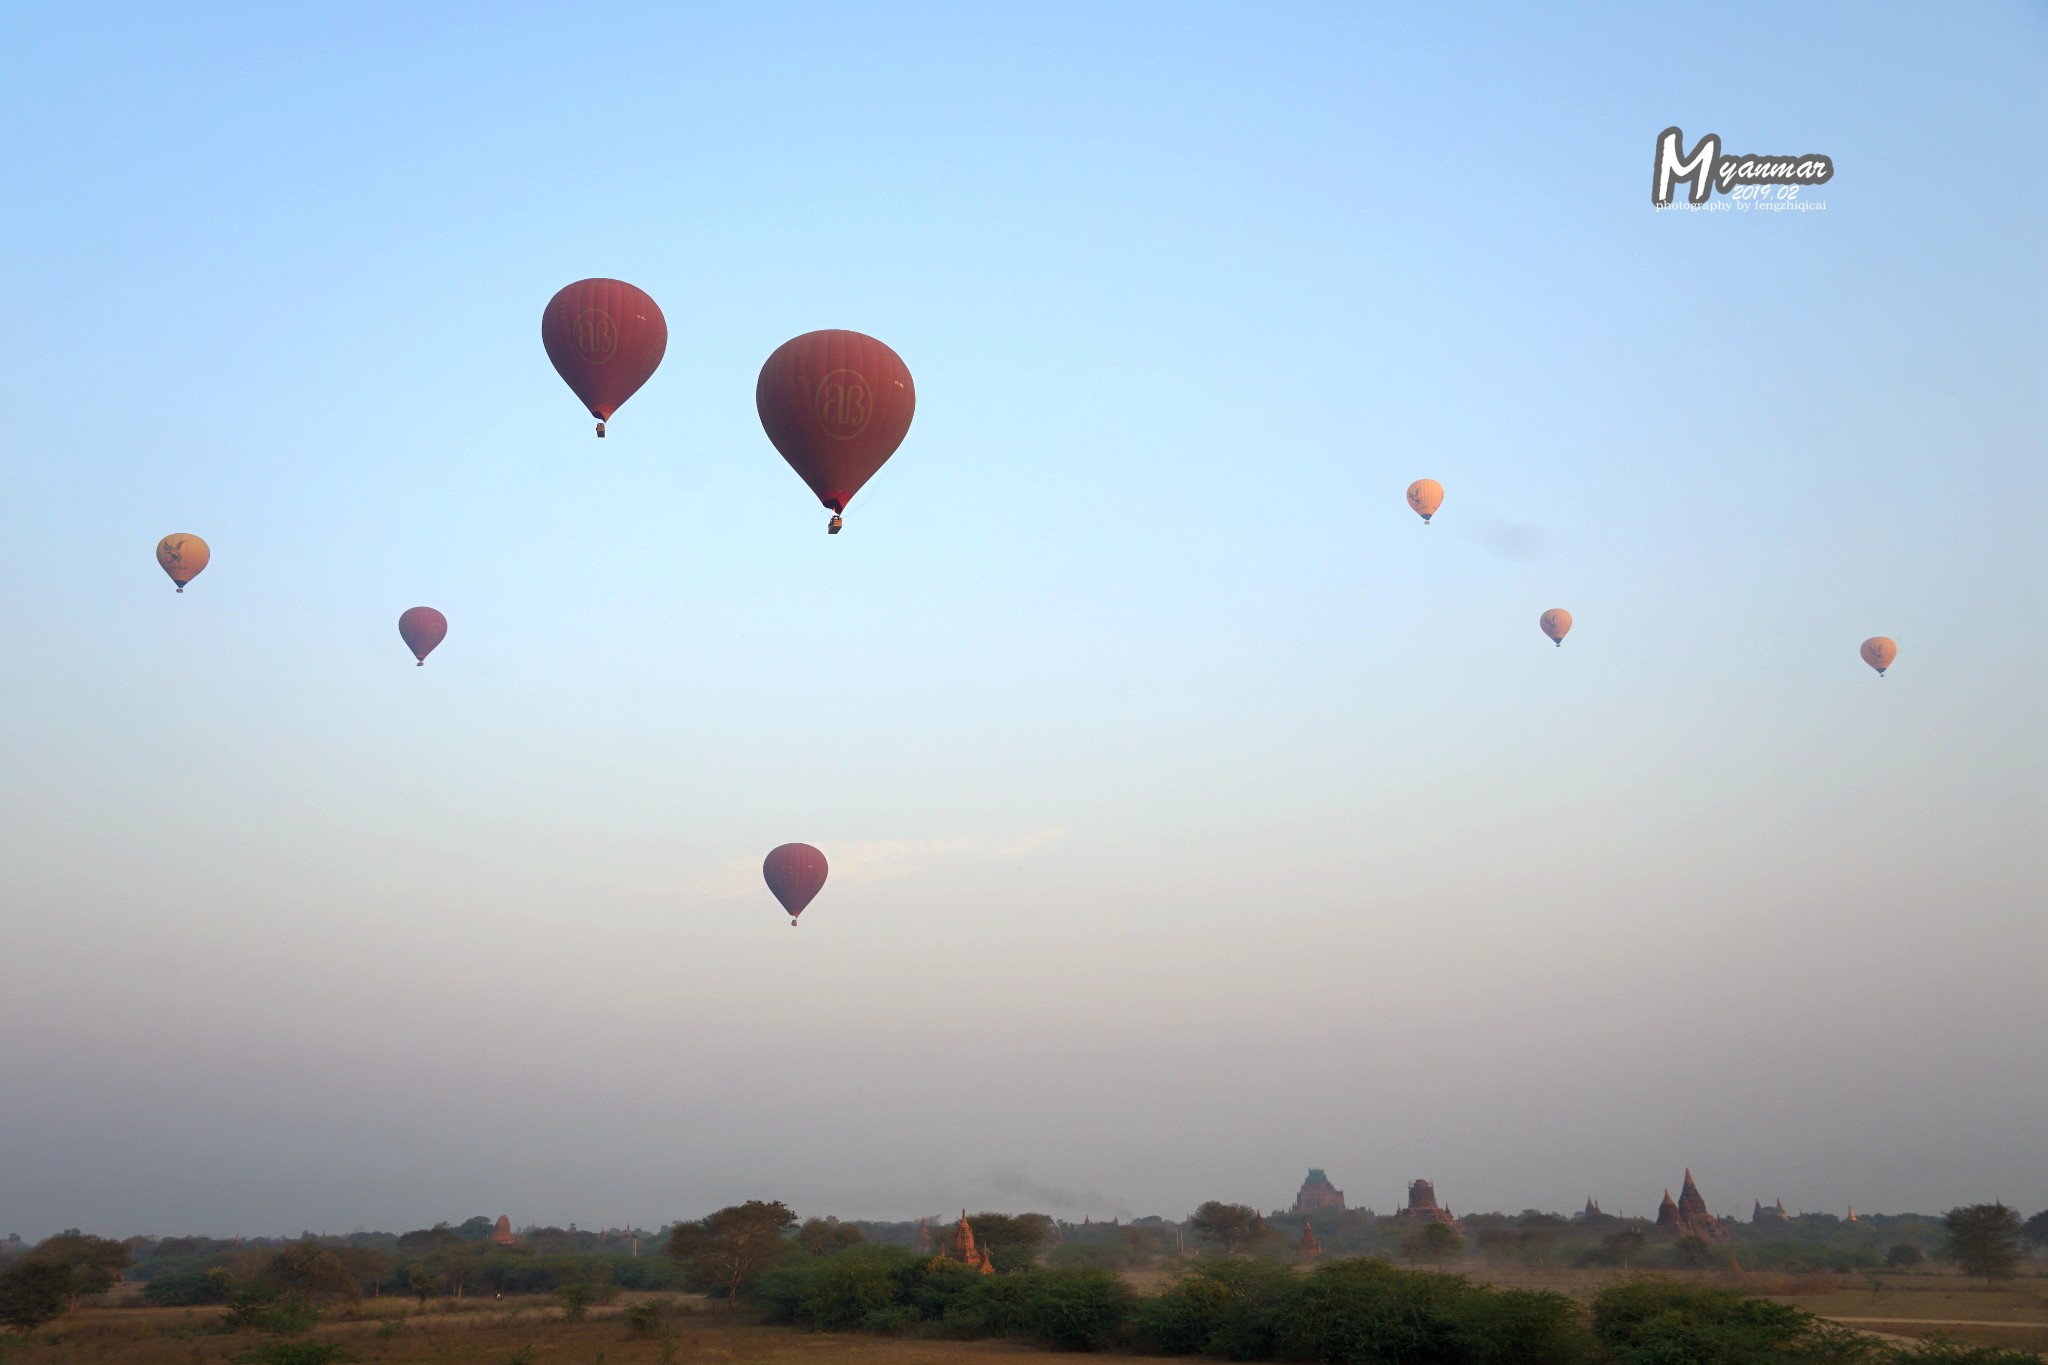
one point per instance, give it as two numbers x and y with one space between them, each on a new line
832 526
600 431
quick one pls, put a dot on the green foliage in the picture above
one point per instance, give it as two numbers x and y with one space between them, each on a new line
310 1268
1011 1241
1903 1256
823 1236
263 1308
1079 1309
1356 1309
1984 1239
1230 1228
421 1282
989 1306
1256 1289
1655 1321
297 1353
644 1319
728 1250
1617 1249
2034 1232
190 1288
387 1328
33 1293
576 1300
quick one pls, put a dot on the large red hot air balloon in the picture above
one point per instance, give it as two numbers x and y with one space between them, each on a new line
795 873
605 338
422 628
836 404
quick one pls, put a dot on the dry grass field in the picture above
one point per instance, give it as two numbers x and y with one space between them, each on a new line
479 1332
534 1332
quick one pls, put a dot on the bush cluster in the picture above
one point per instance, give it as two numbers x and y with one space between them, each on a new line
1355 1311
891 1289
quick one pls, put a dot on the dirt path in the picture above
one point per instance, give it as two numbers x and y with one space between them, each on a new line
1936 1322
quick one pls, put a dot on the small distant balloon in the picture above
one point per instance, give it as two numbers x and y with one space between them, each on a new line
182 556
1879 651
795 874
605 338
422 628
1425 496
1556 623
836 404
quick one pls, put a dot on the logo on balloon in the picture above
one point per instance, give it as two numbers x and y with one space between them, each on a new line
597 336
844 404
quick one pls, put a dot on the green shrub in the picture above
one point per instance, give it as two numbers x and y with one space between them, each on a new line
187 1288
891 1321
836 1292
1182 1319
1077 1309
1222 1305
644 1319
576 1300
1655 1321
991 1306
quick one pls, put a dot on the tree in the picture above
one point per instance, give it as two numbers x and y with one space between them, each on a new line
94 1262
311 1269
2034 1232
729 1248
1434 1244
1232 1227
1694 1253
1903 1256
1538 1241
823 1236
33 1292
1985 1240
1011 1242
423 1282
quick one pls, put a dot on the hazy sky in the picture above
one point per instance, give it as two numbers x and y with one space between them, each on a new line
1196 814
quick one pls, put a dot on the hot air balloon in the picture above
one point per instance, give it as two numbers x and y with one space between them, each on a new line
422 628
836 404
605 338
795 873
1879 651
1557 623
183 556
1425 496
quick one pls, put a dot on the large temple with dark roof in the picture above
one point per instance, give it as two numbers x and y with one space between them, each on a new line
1318 1194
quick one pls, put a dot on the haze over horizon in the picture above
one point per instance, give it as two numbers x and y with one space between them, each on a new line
1196 815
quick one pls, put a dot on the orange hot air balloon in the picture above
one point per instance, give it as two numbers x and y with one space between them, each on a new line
605 338
795 874
1556 623
1879 651
422 628
836 404
1425 496
183 557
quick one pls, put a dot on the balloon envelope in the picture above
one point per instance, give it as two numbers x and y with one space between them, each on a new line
1557 623
836 404
182 556
1879 651
1425 496
422 628
605 338
795 874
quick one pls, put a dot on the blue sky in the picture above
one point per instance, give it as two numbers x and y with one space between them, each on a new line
1196 814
